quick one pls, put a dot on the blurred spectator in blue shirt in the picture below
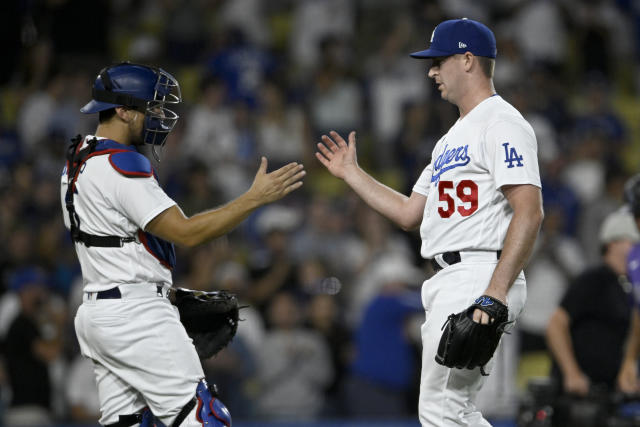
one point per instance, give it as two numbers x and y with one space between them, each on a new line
384 368
242 66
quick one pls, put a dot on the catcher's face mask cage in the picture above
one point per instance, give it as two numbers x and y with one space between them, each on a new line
148 90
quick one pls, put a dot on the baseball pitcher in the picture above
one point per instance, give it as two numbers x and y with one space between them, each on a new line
479 207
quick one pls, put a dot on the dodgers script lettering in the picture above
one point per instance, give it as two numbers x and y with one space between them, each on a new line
449 159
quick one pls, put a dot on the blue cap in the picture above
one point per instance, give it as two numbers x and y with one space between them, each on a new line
460 36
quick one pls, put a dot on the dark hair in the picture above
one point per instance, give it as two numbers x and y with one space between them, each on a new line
106 115
488 65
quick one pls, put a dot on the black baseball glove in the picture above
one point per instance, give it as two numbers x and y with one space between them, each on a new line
466 344
210 318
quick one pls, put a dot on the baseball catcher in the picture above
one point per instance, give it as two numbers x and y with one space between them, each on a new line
124 227
210 318
467 344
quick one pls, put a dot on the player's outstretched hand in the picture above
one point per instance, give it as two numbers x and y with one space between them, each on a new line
336 155
272 186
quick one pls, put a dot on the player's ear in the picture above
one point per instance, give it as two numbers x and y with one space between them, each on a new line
469 60
125 114
122 113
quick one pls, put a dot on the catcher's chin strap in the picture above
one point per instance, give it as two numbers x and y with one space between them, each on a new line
76 158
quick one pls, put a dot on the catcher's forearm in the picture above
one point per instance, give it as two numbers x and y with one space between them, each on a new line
174 226
216 222
560 343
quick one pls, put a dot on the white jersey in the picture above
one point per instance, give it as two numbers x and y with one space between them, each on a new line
109 203
492 146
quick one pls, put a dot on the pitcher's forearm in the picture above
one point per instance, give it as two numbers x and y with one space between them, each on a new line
526 202
387 201
518 245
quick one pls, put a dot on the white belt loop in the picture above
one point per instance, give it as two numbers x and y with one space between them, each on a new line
440 260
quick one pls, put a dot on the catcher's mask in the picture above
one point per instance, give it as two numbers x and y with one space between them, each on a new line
146 89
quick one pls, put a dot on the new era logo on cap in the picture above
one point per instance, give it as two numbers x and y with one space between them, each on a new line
460 36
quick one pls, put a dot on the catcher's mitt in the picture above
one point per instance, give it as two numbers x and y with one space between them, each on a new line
466 344
210 318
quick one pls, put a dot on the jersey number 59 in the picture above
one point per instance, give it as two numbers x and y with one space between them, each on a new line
466 193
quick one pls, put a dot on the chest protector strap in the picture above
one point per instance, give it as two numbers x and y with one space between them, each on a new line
76 158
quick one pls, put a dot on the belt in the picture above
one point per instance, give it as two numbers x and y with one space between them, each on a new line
117 293
450 258
113 293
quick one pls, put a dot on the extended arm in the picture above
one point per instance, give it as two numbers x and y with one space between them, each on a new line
526 202
341 160
561 346
174 226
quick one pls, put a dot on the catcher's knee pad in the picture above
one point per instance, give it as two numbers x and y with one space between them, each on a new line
204 409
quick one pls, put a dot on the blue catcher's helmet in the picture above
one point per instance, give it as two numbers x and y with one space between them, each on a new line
143 88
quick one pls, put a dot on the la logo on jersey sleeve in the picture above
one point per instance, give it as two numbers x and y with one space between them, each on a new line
515 160
511 157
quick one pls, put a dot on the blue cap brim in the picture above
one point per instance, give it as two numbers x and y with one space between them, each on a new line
94 106
429 53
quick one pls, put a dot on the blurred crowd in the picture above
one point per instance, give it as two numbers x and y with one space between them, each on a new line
331 328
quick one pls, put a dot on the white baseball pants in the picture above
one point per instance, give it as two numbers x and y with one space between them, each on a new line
142 355
447 395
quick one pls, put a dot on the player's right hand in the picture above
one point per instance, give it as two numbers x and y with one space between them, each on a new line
336 155
272 186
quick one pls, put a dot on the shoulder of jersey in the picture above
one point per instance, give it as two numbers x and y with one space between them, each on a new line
508 112
505 115
131 164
